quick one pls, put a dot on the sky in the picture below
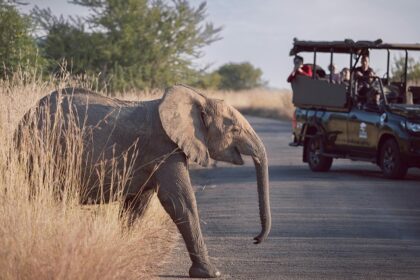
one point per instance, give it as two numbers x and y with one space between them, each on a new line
262 32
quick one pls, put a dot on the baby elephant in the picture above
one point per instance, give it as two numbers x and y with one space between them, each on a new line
183 125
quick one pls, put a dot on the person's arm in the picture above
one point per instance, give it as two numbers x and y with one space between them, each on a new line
358 74
291 76
304 70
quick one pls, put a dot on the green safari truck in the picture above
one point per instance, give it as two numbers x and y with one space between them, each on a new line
376 120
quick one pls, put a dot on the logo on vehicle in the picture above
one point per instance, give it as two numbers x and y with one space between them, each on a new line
383 118
362 131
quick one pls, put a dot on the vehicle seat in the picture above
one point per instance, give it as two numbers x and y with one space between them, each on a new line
393 94
385 81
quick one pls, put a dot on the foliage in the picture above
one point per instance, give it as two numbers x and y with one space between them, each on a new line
207 80
17 47
240 76
133 44
413 70
125 45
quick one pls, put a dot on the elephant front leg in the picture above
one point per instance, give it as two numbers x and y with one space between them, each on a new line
177 197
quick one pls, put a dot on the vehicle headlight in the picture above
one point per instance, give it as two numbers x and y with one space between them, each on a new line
414 127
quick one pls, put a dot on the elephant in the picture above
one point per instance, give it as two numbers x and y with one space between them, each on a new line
184 125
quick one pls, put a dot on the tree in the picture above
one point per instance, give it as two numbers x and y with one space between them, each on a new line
133 43
207 80
68 47
17 47
413 70
240 76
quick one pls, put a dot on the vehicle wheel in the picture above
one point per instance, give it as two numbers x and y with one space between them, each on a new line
391 162
316 161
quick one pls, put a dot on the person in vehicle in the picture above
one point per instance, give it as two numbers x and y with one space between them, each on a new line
363 76
364 73
335 77
345 76
299 69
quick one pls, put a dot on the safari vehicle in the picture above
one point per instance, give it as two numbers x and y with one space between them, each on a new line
336 121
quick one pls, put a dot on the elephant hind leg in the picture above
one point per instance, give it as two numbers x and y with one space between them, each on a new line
135 205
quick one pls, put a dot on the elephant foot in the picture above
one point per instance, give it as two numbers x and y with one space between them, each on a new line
200 270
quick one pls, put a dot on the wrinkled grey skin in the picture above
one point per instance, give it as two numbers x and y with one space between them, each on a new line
184 121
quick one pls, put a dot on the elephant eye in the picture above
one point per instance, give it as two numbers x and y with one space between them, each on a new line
235 129
228 122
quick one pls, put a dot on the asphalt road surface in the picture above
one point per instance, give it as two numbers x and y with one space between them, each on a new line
349 223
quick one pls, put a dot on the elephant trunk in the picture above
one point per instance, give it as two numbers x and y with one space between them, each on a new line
261 167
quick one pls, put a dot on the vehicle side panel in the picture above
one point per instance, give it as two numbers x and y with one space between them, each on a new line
331 124
318 94
363 132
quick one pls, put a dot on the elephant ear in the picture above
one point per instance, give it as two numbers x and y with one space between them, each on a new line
181 112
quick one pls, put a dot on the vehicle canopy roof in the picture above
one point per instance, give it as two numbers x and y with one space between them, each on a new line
347 46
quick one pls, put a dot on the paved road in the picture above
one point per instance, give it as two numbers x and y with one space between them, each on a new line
349 223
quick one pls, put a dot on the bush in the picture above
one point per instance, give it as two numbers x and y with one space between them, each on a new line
239 76
17 47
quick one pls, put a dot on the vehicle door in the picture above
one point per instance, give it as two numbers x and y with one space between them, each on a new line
336 125
363 130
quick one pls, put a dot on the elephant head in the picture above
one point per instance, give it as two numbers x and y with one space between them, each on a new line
205 129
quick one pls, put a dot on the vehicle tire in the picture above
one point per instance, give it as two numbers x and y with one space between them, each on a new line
391 161
316 161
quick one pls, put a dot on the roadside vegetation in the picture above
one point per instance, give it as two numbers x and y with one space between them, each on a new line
45 233
126 45
261 102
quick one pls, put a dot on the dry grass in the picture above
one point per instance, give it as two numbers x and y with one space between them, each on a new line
276 104
42 237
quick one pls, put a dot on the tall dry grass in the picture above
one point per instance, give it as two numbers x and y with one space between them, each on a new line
260 102
267 103
44 231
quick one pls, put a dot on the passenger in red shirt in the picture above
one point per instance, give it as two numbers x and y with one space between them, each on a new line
299 69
